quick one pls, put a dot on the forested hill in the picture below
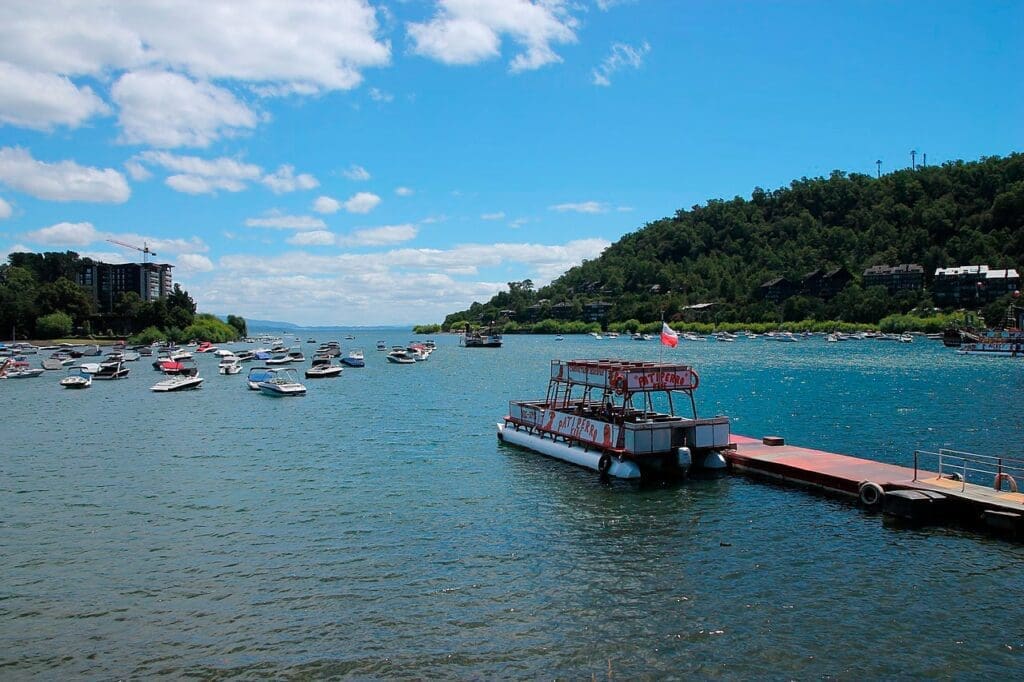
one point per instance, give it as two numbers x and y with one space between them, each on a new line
959 213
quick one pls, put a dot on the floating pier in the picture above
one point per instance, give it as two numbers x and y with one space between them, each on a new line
959 487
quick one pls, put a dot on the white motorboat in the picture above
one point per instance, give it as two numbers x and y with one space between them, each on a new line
230 364
355 358
257 375
381 345
282 383
180 382
19 369
401 357
323 368
77 378
110 370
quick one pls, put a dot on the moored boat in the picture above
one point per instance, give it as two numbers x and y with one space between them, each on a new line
229 364
77 377
256 375
481 338
355 358
282 383
618 418
181 382
323 368
113 369
400 356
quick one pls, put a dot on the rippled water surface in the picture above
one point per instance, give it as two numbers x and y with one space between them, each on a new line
376 529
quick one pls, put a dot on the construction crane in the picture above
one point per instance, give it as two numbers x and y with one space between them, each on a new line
144 248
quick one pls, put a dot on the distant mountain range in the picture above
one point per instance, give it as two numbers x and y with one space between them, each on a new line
272 325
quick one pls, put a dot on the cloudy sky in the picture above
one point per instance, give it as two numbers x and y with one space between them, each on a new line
362 162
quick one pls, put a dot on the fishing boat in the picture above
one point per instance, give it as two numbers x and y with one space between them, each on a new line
257 375
77 377
282 383
181 382
323 368
617 417
229 364
355 358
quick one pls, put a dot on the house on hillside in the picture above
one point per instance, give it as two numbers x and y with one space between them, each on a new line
596 311
825 284
777 290
897 278
972 285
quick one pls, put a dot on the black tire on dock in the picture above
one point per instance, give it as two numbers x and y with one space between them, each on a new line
870 494
604 464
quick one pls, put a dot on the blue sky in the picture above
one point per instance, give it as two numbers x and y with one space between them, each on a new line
355 162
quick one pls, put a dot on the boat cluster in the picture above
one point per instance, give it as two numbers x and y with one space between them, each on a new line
410 354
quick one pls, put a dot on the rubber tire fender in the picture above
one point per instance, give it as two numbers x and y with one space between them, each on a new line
870 494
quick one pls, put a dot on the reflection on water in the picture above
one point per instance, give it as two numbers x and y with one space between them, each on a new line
376 528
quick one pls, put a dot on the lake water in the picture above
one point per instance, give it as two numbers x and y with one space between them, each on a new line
376 528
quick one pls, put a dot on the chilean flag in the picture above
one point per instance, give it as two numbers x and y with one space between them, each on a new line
668 336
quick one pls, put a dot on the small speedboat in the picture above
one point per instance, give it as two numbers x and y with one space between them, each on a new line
22 370
206 347
295 355
355 358
181 382
77 378
230 364
256 375
381 345
184 367
111 370
279 359
401 357
282 383
323 368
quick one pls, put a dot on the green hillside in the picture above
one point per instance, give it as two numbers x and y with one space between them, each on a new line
959 213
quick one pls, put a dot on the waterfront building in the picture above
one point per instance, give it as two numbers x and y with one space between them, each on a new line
106 282
777 290
972 284
896 278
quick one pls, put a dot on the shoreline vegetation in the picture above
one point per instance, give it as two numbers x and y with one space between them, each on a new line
932 324
737 263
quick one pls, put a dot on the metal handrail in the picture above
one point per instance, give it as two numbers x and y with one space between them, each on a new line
961 464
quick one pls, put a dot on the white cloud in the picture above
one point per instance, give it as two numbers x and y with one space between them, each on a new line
166 110
5 209
65 234
582 207
41 101
194 175
378 95
362 202
281 221
464 32
61 181
356 173
389 287
314 238
84 233
189 263
499 215
295 46
136 171
381 236
284 180
404 191
326 205
622 56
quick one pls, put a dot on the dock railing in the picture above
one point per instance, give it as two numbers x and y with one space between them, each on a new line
968 467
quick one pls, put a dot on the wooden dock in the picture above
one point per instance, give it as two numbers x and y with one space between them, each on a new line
900 491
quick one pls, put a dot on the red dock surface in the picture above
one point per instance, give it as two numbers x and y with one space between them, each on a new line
844 474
